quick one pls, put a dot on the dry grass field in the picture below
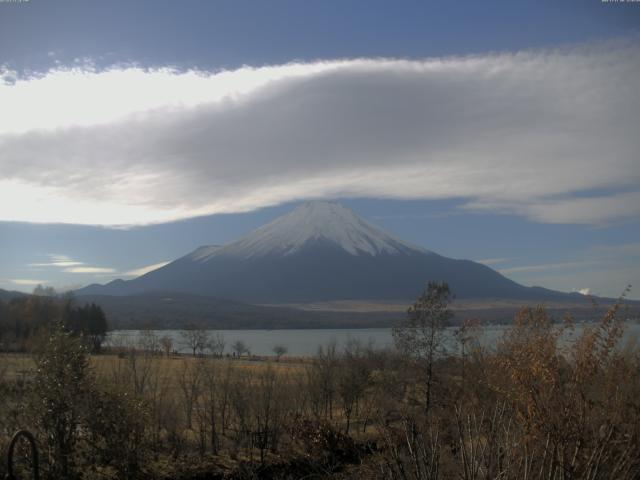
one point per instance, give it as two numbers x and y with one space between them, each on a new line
532 408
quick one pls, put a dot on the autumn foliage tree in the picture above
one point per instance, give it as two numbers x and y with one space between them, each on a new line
421 334
570 399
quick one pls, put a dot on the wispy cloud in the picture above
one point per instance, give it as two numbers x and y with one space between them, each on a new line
142 270
493 261
606 269
546 266
57 261
623 251
89 270
590 210
504 133
67 264
27 282
55 264
418 216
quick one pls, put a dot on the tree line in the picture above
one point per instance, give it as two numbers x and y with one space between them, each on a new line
27 321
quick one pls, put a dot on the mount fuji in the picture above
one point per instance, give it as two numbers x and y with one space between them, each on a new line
320 251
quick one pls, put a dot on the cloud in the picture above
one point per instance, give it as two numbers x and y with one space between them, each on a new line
527 133
55 264
590 210
89 270
583 291
546 266
493 261
624 251
69 265
56 257
142 270
607 269
607 280
58 261
27 282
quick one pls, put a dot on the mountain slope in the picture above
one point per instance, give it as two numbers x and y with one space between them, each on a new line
173 310
320 251
6 295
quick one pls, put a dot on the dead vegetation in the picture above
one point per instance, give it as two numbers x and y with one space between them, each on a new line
534 408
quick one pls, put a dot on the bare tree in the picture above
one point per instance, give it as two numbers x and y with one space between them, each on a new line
166 342
224 388
190 383
217 344
279 350
42 291
148 341
195 339
240 348
209 400
467 337
137 367
353 379
321 381
161 401
268 411
241 392
420 335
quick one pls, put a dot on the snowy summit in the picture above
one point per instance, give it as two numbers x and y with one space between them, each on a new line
317 222
321 251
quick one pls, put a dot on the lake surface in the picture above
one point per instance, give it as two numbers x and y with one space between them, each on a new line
306 342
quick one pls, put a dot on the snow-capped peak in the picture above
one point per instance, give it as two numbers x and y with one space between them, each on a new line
314 222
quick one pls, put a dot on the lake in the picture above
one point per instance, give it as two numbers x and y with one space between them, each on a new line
306 342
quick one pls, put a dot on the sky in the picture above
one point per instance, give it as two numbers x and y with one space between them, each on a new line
503 132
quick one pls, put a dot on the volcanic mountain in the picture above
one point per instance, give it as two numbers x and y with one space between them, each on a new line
320 251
